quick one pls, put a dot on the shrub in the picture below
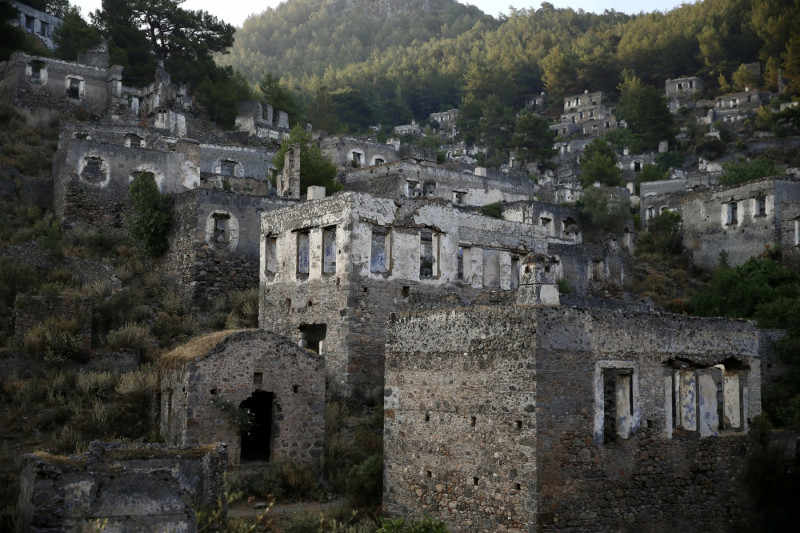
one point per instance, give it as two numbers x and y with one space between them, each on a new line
365 481
494 210
138 391
285 480
244 310
131 337
563 286
152 214
93 385
55 341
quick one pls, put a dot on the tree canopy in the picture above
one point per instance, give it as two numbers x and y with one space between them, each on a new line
598 164
315 168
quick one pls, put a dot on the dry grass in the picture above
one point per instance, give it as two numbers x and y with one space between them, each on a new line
196 347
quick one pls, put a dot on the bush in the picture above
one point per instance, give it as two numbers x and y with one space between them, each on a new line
663 235
93 385
152 214
244 310
56 342
285 480
131 337
494 210
365 481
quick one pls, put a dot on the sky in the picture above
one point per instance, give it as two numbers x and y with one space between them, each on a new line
236 11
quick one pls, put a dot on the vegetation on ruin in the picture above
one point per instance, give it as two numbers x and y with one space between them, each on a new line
152 214
315 168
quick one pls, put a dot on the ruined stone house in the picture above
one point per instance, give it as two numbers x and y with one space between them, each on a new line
120 487
742 220
332 270
586 114
35 22
261 121
350 152
681 91
280 384
215 244
33 81
456 183
523 418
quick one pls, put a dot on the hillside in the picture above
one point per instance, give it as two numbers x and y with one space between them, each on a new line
430 56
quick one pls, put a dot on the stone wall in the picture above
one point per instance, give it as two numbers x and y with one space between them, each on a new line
459 419
497 419
120 487
349 153
740 220
33 311
346 262
465 186
34 81
214 243
229 368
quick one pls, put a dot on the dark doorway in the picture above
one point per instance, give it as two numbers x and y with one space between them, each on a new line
257 443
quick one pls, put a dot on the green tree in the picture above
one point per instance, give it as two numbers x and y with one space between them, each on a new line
315 168
649 173
663 235
644 109
598 164
74 36
606 210
220 92
469 119
740 170
152 214
533 139
279 97
12 38
742 78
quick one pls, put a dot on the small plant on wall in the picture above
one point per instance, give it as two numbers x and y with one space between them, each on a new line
242 419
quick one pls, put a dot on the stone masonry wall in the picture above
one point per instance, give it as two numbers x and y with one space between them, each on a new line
32 311
120 487
536 456
660 478
459 419
231 370
205 263
727 219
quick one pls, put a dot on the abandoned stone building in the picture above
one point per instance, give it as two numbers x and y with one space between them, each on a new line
281 384
586 114
333 270
95 164
215 243
120 487
741 220
350 152
43 82
261 121
682 91
36 23
546 418
733 108
457 183
412 129
446 122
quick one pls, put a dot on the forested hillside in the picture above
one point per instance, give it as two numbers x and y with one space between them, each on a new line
391 64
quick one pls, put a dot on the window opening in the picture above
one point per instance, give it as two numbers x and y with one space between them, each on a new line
429 189
227 167
515 272
465 264
616 397
270 256
29 23
93 169
380 252
312 336
428 252
74 89
221 228
459 197
732 217
302 254
491 268
44 28
37 71
761 206
256 441
597 270
329 250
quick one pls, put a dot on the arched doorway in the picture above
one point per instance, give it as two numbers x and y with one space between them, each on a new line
257 443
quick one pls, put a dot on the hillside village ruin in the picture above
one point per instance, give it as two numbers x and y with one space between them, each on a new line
510 405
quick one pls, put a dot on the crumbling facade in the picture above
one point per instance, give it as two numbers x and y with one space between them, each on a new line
33 81
741 221
550 418
265 123
281 385
585 114
459 184
121 487
36 22
681 92
333 270
349 153
214 244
